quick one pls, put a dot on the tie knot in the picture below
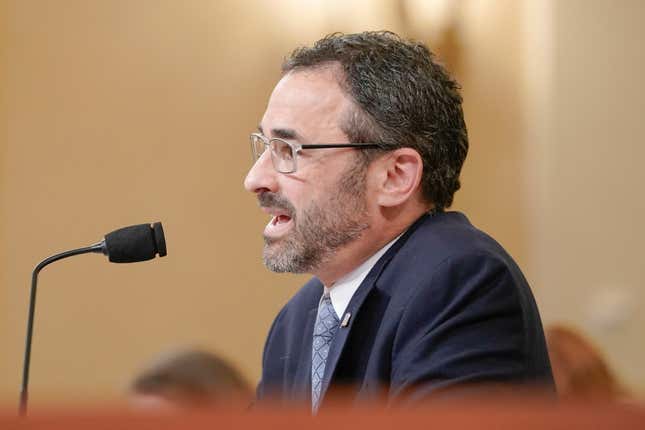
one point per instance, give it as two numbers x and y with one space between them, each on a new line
326 309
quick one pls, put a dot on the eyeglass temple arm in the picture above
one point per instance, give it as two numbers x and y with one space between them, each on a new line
340 145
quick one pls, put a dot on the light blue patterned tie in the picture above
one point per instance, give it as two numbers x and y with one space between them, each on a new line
324 331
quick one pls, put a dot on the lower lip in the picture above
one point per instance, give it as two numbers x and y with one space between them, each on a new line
277 229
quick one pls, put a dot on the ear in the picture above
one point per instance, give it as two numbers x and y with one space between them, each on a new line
398 177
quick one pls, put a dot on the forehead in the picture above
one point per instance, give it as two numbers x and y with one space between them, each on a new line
309 102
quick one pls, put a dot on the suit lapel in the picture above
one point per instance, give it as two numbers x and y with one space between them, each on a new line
342 334
354 306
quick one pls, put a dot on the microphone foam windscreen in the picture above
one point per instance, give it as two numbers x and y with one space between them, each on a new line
135 243
160 239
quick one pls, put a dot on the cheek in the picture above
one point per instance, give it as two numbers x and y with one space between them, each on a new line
301 191
303 201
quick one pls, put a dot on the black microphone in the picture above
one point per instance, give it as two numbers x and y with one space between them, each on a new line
135 243
126 245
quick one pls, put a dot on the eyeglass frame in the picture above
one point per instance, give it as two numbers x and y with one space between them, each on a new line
297 147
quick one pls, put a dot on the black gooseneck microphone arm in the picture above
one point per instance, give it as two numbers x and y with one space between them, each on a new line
97 248
125 245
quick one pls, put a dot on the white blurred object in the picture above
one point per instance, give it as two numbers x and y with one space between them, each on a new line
610 308
430 17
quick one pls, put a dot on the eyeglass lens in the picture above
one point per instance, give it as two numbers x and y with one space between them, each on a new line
282 154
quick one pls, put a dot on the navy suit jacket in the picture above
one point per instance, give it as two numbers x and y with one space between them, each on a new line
445 307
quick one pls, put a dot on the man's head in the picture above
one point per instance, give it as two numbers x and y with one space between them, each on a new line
336 206
402 98
321 206
188 378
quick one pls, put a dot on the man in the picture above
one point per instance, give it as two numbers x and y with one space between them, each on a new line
366 139
188 379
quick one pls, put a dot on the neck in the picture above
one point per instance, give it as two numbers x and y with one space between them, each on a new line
352 255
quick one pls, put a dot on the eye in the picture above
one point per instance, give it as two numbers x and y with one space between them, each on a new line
282 150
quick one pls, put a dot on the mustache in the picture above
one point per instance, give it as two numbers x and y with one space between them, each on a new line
274 200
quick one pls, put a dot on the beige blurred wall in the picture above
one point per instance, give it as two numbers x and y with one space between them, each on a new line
121 112
588 233
125 112
4 321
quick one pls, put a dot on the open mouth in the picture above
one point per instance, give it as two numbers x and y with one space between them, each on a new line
280 219
278 225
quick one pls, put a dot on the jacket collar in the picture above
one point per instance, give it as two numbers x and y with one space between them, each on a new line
354 306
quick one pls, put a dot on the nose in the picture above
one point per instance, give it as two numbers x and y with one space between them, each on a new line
262 176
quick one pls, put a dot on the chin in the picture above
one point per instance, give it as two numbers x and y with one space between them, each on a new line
283 259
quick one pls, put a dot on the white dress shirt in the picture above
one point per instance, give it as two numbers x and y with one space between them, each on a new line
342 291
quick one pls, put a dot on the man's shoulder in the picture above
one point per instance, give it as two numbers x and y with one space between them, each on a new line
308 295
291 322
303 301
452 229
445 236
444 243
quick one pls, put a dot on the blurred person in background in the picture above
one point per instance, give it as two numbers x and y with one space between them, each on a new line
356 160
189 379
579 368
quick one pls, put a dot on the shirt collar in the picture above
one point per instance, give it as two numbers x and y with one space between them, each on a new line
343 290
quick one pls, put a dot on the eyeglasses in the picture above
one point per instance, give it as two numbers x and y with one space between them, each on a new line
284 153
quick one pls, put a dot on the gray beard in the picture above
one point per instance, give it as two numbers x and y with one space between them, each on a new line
322 229
313 242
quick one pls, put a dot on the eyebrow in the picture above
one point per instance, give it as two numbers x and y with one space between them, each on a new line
282 133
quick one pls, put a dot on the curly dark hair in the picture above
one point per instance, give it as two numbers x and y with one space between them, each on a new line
404 98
